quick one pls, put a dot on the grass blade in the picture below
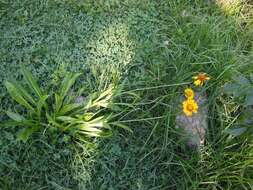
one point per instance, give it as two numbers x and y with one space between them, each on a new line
67 83
122 126
15 94
68 108
32 82
15 116
24 93
42 103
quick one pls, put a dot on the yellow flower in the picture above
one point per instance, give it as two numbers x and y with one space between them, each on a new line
190 107
200 79
189 93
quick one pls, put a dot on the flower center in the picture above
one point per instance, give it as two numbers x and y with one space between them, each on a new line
190 107
188 94
202 77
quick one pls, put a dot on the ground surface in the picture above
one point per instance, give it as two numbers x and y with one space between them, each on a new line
144 45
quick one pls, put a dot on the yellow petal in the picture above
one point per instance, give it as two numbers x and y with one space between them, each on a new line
187 113
198 82
190 103
189 93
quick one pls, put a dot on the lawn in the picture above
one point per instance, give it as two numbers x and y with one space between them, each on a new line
149 50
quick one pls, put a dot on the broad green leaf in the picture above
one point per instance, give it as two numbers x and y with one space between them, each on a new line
96 124
66 119
68 108
80 91
90 134
249 99
24 93
88 103
53 122
236 131
97 119
106 94
67 83
85 127
88 116
58 102
106 125
25 133
42 103
13 123
103 104
32 82
103 100
10 123
15 116
16 95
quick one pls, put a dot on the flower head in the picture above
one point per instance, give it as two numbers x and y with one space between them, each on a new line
200 79
189 93
190 107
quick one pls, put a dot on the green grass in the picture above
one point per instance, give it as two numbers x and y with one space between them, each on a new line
151 48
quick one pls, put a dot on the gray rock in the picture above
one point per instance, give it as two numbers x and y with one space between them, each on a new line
194 128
